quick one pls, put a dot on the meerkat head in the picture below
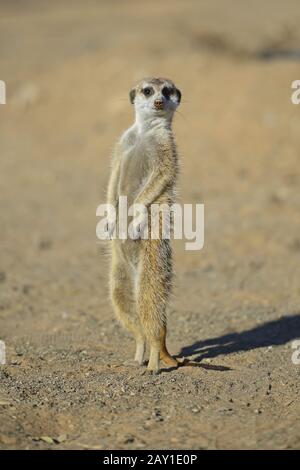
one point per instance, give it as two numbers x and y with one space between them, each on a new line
155 97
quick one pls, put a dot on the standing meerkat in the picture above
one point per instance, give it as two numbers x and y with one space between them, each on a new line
144 169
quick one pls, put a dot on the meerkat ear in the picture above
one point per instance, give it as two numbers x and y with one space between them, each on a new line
178 93
132 96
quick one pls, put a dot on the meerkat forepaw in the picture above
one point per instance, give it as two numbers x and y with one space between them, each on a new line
110 229
138 228
136 232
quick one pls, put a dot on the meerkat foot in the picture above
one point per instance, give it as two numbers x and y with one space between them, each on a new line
150 372
140 352
153 364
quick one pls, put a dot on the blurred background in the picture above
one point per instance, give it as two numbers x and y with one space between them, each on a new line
68 68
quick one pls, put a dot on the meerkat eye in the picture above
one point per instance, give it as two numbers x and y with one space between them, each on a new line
167 92
148 91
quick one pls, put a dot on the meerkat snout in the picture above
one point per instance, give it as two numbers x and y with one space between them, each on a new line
158 104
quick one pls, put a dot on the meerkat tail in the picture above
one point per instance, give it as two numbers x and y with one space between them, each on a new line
165 356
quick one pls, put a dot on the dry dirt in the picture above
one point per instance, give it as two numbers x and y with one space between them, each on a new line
67 382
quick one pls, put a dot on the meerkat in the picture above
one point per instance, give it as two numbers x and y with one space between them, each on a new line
145 169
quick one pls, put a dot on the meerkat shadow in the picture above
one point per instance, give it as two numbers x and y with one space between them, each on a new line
274 333
188 363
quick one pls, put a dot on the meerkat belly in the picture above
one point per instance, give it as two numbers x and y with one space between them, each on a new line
135 171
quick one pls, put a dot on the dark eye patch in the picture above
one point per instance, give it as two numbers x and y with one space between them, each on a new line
167 92
132 96
178 93
148 91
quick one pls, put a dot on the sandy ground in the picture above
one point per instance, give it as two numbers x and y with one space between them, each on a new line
67 382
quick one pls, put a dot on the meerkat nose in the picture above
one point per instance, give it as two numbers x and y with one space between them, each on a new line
158 104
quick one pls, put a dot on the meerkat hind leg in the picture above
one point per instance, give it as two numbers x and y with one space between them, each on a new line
140 350
153 364
125 306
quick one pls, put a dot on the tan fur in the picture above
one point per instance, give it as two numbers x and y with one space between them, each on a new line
144 169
